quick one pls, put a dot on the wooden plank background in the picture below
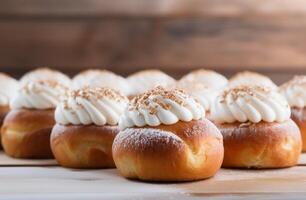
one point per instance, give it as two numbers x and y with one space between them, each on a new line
173 35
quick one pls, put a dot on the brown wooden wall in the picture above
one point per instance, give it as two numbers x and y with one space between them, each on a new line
176 36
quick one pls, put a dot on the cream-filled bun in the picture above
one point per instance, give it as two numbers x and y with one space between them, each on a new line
27 127
165 137
101 78
251 78
295 92
45 73
86 125
145 80
256 127
207 78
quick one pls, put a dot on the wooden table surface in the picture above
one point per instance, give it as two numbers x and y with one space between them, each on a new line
53 182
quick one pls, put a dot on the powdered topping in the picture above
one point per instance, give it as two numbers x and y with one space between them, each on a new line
101 78
39 95
8 89
143 81
88 105
161 106
295 91
250 103
45 73
145 137
251 78
208 78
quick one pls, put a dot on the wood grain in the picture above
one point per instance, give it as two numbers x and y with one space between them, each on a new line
174 45
145 8
60 183
8 161
173 35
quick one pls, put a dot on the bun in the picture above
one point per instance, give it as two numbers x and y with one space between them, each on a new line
26 133
79 146
298 115
183 151
261 145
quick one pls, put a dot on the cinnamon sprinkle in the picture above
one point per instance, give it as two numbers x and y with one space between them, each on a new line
144 101
243 90
98 92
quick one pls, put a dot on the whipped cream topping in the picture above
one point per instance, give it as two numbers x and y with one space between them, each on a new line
38 95
161 106
143 81
45 73
99 106
101 78
204 94
250 103
8 89
295 91
251 78
208 78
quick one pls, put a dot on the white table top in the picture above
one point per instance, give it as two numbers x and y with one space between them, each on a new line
60 183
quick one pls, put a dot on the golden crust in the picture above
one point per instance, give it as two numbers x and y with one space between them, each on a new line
184 151
298 115
261 145
26 133
3 112
83 146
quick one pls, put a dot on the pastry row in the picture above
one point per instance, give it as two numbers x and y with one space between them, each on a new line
152 127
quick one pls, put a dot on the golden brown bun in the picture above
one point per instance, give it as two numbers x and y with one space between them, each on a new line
26 133
83 146
3 112
299 117
183 151
261 145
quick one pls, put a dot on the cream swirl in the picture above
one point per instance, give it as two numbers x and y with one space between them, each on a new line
208 78
99 106
45 73
250 103
101 78
251 78
38 95
295 91
161 106
145 80
8 89
204 94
